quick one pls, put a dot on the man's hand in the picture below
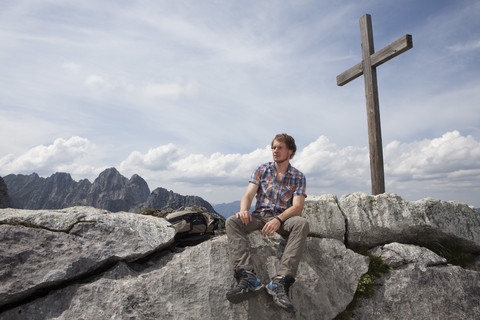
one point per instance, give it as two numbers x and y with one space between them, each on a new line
245 204
270 228
244 216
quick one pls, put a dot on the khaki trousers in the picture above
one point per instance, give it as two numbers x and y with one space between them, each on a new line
296 228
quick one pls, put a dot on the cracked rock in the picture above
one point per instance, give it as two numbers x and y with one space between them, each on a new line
191 285
325 217
438 292
42 249
86 263
397 254
385 218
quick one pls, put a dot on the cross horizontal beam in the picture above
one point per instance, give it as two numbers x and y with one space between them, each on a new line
397 47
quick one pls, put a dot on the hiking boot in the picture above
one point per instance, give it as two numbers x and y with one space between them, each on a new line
247 285
278 289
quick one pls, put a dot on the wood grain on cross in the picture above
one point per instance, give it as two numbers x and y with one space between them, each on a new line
367 67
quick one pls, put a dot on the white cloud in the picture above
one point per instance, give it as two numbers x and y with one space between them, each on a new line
228 167
449 155
469 46
447 167
63 155
168 90
174 164
156 159
225 76
328 162
449 160
72 67
142 91
98 83
95 81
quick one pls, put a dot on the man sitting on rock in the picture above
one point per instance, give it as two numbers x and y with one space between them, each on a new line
280 191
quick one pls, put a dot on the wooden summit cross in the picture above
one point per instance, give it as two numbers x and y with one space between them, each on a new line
367 67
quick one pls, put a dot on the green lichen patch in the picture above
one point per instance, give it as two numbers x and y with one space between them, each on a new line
366 283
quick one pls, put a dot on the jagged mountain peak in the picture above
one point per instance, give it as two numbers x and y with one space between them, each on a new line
110 179
110 190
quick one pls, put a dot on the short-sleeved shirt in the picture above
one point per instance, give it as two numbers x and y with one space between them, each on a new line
273 195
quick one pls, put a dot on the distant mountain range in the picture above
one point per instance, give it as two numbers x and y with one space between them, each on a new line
227 209
110 191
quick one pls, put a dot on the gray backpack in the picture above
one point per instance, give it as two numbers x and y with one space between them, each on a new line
192 227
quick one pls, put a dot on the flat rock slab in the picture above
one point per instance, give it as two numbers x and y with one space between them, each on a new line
421 285
192 284
42 249
325 217
437 292
385 218
397 255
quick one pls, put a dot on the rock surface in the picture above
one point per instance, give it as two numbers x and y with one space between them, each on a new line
421 286
85 263
191 285
110 191
325 217
42 249
377 220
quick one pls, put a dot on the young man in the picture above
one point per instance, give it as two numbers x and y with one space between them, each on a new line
280 191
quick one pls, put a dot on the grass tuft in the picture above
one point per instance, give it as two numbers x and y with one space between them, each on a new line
366 283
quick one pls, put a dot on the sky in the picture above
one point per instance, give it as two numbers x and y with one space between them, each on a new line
189 94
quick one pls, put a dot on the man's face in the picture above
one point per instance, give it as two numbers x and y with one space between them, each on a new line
280 152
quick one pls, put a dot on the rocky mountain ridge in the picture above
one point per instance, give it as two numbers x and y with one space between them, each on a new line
228 209
5 201
110 191
87 263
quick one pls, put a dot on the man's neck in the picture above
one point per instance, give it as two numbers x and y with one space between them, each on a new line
282 167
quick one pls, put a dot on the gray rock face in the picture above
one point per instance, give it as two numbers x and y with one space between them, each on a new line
114 192
421 286
42 249
397 255
5 201
193 283
376 220
85 263
110 191
325 217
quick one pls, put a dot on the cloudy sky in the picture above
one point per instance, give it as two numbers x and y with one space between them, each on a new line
188 94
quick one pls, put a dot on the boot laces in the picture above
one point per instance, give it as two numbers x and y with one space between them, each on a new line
283 287
242 279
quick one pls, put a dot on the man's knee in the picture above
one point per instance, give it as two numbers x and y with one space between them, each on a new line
301 225
232 223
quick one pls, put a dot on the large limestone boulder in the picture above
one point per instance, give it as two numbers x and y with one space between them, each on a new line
86 263
380 219
44 249
325 217
191 285
421 286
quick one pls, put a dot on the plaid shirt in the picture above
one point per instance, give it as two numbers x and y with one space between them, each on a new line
273 195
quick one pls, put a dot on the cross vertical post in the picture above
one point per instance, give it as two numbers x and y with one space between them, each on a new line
367 67
373 109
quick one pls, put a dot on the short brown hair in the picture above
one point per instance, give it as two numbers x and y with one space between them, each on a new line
288 140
